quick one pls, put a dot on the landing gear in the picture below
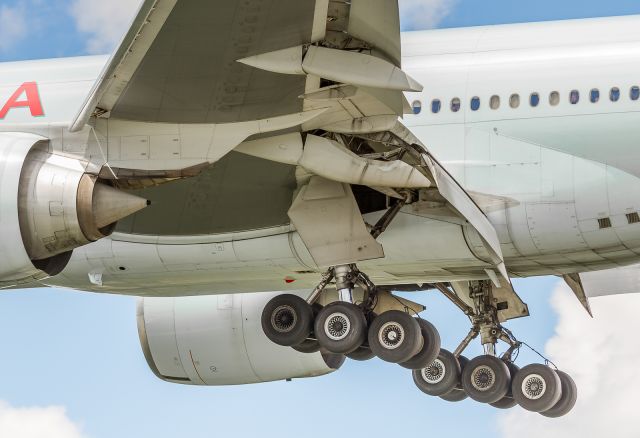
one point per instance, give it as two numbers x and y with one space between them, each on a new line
362 354
497 380
341 328
486 379
395 336
430 347
354 330
457 394
508 401
308 346
537 388
287 320
567 400
441 377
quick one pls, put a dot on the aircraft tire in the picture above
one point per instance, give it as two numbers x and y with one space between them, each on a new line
567 400
508 402
486 379
457 394
361 354
341 327
307 346
430 347
440 377
395 336
287 320
537 388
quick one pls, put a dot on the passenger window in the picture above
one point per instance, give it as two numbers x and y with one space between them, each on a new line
455 104
475 103
574 97
417 107
594 95
514 101
634 94
614 95
494 103
534 99
435 106
554 98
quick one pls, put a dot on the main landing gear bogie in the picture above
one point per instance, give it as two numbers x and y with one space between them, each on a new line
345 329
342 327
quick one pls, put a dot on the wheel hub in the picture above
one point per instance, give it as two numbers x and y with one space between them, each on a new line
284 318
534 387
483 378
337 326
434 373
391 335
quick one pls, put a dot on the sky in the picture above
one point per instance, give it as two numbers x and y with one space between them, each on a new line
72 366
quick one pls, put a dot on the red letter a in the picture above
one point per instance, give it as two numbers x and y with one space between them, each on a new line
30 90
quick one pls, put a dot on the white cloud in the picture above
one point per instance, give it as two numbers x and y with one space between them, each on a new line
601 355
104 22
13 25
49 422
424 14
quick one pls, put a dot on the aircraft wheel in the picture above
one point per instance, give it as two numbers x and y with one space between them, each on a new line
430 347
308 346
361 354
287 320
508 402
537 388
457 394
341 327
567 399
440 377
395 336
486 379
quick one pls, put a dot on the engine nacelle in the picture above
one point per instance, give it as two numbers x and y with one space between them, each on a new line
49 206
218 340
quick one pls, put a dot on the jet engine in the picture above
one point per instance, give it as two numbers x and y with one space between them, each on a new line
218 340
50 205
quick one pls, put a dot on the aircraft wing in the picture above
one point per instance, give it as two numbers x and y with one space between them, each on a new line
178 61
329 70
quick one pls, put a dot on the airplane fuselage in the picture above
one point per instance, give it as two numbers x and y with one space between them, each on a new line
539 122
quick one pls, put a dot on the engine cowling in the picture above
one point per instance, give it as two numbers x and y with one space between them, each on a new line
50 205
218 340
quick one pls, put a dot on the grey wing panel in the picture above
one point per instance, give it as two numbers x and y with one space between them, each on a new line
237 193
190 73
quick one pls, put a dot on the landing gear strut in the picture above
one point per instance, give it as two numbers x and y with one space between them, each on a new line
489 378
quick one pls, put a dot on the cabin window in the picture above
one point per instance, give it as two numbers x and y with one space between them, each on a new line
417 107
514 101
534 99
634 94
574 97
475 103
494 103
614 95
455 104
594 95
436 105
554 98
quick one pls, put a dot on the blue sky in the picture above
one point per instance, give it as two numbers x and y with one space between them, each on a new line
81 351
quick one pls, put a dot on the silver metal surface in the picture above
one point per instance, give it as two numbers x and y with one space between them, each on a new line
337 326
483 378
435 372
391 335
534 387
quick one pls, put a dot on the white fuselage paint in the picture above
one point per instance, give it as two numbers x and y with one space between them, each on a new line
544 175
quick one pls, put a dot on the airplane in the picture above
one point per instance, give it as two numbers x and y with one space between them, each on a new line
227 150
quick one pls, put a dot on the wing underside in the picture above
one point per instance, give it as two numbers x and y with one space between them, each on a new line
314 86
